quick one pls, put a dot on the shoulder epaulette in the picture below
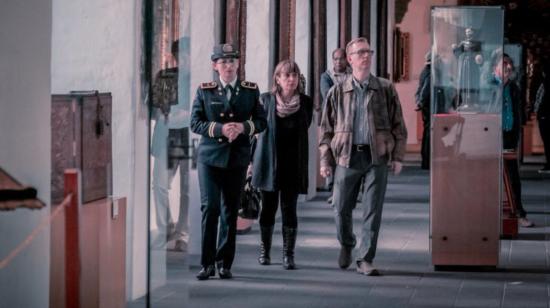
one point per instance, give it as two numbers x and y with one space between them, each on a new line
249 85
209 85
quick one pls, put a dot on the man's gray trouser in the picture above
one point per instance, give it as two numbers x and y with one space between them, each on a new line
346 187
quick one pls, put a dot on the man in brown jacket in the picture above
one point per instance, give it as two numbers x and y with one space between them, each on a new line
362 133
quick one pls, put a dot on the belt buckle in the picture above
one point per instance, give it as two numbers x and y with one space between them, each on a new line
360 147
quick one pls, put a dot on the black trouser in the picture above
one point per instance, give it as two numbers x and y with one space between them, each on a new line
544 128
510 141
216 183
270 203
513 170
425 150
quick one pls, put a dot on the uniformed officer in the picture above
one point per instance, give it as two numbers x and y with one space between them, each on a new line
226 113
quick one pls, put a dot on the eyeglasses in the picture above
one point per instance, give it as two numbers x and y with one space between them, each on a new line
226 61
362 52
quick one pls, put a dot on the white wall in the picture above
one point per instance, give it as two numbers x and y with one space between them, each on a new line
258 47
25 145
136 232
97 45
373 33
332 29
354 18
389 37
302 57
202 42
302 36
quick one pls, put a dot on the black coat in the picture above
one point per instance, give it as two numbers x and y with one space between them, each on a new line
265 153
511 138
422 94
518 114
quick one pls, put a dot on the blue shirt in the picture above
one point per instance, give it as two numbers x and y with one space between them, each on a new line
360 118
507 112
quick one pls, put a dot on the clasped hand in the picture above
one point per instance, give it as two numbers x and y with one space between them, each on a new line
232 130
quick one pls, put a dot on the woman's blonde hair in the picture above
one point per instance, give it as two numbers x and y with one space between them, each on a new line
287 66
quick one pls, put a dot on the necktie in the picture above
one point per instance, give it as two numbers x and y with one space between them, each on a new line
228 91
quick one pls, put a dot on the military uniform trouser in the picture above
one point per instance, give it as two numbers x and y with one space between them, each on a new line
346 188
217 184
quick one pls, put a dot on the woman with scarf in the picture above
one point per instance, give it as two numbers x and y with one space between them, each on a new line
280 158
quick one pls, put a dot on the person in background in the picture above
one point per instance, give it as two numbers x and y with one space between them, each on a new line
335 75
542 109
422 96
280 163
512 121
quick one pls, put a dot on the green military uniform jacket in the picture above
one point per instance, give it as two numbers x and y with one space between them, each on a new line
212 109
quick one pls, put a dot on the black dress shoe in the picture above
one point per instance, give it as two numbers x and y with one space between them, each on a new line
206 272
344 260
225 273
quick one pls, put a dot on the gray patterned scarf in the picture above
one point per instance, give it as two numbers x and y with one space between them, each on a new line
286 108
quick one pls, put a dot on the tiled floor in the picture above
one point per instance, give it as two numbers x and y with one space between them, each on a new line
522 278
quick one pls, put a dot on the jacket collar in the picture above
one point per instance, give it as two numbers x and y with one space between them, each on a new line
235 83
333 75
232 83
372 83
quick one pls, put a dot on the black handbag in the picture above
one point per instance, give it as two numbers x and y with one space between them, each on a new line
250 201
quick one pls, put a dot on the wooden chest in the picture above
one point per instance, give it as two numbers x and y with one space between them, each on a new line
81 138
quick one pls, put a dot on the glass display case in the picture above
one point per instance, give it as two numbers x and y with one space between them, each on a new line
173 182
466 144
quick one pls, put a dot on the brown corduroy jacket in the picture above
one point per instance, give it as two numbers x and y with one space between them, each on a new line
388 133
